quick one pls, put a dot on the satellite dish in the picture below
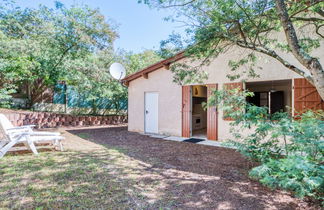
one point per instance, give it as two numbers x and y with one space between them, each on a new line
117 71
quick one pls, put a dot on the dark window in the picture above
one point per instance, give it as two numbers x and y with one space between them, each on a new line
261 99
277 102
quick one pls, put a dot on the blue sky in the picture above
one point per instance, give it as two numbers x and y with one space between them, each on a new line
139 27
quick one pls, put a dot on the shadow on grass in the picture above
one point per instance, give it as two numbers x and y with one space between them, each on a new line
184 175
133 171
67 180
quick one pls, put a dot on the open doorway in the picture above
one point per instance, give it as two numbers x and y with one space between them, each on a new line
199 114
276 95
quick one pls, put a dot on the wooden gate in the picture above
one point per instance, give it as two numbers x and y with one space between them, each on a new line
186 111
212 127
306 96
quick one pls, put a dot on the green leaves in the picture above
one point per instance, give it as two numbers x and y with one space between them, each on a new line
92 81
137 61
5 95
308 134
39 47
290 150
186 74
214 26
294 173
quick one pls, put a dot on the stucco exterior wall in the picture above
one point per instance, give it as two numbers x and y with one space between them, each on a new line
170 100
170 94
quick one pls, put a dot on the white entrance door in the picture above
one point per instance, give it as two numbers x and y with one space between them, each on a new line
151 112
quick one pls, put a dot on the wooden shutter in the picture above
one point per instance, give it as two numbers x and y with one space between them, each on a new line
186 111
212 126
306 96
230 86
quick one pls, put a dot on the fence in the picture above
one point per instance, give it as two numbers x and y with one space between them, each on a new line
64 94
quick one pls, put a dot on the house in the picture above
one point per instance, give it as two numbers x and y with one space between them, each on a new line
158 105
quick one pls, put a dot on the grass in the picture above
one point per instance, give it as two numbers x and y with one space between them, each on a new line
106 179
124 176
84 135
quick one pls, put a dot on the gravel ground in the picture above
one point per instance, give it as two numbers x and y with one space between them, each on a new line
190 176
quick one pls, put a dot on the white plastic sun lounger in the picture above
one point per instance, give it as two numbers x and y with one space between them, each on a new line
10 136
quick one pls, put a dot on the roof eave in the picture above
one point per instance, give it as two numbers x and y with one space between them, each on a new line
153 67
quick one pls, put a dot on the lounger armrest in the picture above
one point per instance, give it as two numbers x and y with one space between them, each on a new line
41 133
19 128
15 131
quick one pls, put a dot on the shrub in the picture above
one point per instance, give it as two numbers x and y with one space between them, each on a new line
308 135
5 96
294 173
263 143
290 150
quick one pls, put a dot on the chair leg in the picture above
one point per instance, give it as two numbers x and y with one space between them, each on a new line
27 146
61 146
32 147
6 148
58 145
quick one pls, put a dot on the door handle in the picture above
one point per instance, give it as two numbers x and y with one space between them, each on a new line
146 112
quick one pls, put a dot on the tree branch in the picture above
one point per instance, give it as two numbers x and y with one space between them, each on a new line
321 13
291 35
306 8
318 32
311 63
274 55
179 5
314 19
62 56
241 31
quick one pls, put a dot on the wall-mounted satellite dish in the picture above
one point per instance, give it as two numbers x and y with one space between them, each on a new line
117 71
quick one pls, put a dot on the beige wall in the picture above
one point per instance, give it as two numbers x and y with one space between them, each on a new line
170 98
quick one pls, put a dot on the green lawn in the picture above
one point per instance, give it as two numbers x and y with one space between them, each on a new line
69 179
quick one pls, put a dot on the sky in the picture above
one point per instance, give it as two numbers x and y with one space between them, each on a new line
139 27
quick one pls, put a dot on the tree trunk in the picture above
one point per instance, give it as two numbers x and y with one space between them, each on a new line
317 72
312 64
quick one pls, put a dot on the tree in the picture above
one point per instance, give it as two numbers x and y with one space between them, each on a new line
137 61
14 65
42 46
92 81
216 25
